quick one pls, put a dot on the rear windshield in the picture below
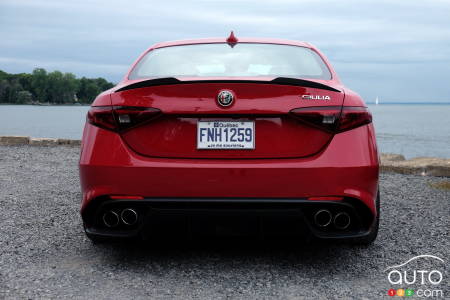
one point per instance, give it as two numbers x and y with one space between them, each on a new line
244 59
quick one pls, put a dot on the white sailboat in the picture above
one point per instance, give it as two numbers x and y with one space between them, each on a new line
376 101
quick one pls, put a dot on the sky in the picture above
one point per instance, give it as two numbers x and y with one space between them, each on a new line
398 51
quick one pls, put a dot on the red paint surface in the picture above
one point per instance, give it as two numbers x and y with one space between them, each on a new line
291 159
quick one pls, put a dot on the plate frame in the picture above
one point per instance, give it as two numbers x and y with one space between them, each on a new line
254 135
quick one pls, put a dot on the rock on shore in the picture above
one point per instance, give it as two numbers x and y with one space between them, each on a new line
26 140
420 165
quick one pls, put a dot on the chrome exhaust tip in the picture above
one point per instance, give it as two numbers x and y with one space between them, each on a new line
322 218
129 216
110 219
342 220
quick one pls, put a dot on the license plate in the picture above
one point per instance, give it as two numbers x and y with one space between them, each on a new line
226 135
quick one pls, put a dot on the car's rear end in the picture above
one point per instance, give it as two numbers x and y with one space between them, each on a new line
256 131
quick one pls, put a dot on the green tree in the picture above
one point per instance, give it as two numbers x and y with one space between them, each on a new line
3 75
71 85
103 84
62 87
25 81
54 87
88 90
14 90
4 90
24 97
39 85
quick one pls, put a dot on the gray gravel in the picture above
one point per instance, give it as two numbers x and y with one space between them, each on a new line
45 254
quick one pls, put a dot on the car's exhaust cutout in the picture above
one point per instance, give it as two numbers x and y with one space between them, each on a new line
322 218
129 216
110 219
342 220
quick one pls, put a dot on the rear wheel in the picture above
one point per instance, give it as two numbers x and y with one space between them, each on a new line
371 237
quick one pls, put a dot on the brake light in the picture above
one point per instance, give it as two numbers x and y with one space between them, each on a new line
101 117
334 118
322 117
119 118
127 117
352 117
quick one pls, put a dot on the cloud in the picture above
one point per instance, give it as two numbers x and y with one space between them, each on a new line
363 39
83 68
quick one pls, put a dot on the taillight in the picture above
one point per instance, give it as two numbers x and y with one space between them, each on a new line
352 117
322 117
334 118
127 117
101 116
118 118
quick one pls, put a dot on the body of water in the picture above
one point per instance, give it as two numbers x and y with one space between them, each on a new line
409 129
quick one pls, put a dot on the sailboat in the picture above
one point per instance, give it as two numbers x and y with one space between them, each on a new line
376 101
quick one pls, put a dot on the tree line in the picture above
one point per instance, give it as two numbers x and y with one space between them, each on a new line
49 87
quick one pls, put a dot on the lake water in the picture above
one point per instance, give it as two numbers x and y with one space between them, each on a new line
409 129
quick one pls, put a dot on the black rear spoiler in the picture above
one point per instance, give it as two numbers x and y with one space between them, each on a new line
278 80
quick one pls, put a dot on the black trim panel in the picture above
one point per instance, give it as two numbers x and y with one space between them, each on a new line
152 208
278 80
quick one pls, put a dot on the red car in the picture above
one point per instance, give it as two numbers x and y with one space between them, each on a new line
230 135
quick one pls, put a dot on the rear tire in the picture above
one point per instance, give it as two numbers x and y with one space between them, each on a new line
372 236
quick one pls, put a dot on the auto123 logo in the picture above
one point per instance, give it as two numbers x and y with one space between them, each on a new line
419 276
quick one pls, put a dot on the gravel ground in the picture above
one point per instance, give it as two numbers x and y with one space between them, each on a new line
45 254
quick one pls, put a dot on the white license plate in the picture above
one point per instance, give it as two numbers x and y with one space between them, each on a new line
225 135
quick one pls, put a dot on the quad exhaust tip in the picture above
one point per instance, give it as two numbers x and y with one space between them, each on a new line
111 219
342 220
129 216
323 218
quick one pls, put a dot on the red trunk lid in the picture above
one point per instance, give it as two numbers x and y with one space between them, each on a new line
277 133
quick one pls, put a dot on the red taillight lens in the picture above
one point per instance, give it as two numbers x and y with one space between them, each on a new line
322 117
334 118
102 116
127 117
118 118
352 117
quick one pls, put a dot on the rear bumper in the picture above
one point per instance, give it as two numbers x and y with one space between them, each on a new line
347 167
191 217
